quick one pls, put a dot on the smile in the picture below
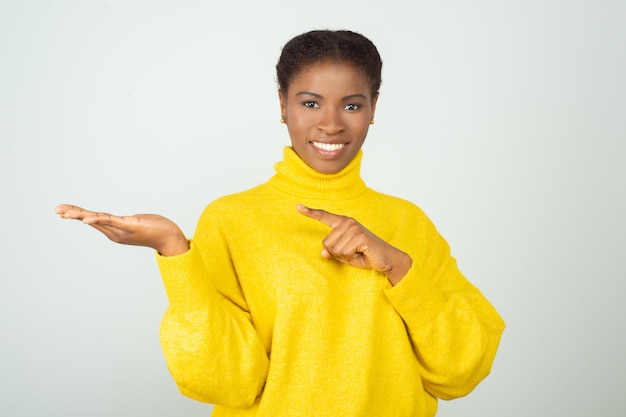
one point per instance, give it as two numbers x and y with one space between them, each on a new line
328 146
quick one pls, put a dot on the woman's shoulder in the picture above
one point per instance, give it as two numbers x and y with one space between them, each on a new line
395 202
405 215
236 201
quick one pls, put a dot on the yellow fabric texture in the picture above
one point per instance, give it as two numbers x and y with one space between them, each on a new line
260 324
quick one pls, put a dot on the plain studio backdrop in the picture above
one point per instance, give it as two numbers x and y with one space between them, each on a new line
504 120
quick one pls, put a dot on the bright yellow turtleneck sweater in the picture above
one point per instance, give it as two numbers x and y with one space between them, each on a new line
261 324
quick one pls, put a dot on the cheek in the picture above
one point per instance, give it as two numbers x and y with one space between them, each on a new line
361 126
299 121
294 127
297 128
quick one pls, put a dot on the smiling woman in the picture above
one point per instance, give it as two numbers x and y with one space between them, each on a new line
328 109
380 323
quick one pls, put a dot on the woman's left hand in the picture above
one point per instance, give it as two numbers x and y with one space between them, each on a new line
351 243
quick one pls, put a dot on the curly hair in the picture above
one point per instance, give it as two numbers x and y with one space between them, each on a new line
341 46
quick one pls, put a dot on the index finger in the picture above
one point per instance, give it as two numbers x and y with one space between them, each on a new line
62 208
328 218
68 211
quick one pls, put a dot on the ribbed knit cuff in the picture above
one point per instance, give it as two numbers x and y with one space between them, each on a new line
415 298
185 281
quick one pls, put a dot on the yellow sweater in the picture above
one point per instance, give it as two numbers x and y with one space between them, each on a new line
261 324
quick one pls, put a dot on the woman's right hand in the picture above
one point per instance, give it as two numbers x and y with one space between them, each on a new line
149 230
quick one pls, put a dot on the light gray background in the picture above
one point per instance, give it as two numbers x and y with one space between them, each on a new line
503 120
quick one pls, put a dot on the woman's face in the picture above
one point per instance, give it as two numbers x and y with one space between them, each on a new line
328 108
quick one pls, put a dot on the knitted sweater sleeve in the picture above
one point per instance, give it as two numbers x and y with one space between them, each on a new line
454 330
210 345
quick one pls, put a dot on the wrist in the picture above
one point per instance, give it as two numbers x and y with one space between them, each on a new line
400 268
174 247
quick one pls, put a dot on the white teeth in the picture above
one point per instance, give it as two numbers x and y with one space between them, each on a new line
328 146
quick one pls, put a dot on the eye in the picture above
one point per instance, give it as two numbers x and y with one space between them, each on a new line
352 107
311 104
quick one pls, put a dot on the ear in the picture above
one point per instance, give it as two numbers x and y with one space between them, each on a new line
282 99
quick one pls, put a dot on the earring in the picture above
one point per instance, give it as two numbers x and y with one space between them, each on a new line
372 121
282 120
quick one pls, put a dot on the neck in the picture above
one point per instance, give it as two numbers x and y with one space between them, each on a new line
294 176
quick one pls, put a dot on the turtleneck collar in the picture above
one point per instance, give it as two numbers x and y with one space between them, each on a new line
295 177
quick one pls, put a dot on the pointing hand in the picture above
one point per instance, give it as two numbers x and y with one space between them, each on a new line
351 243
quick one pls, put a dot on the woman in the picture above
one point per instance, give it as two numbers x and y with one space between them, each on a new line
381 323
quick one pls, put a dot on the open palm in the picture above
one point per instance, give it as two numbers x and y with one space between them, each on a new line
151 230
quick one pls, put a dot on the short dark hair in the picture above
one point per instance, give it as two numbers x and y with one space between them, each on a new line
341 46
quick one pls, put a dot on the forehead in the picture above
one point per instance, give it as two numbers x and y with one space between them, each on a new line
328 77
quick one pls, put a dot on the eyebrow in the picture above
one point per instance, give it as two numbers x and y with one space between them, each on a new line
350 97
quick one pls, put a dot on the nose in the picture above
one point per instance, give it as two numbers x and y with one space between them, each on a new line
330 122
